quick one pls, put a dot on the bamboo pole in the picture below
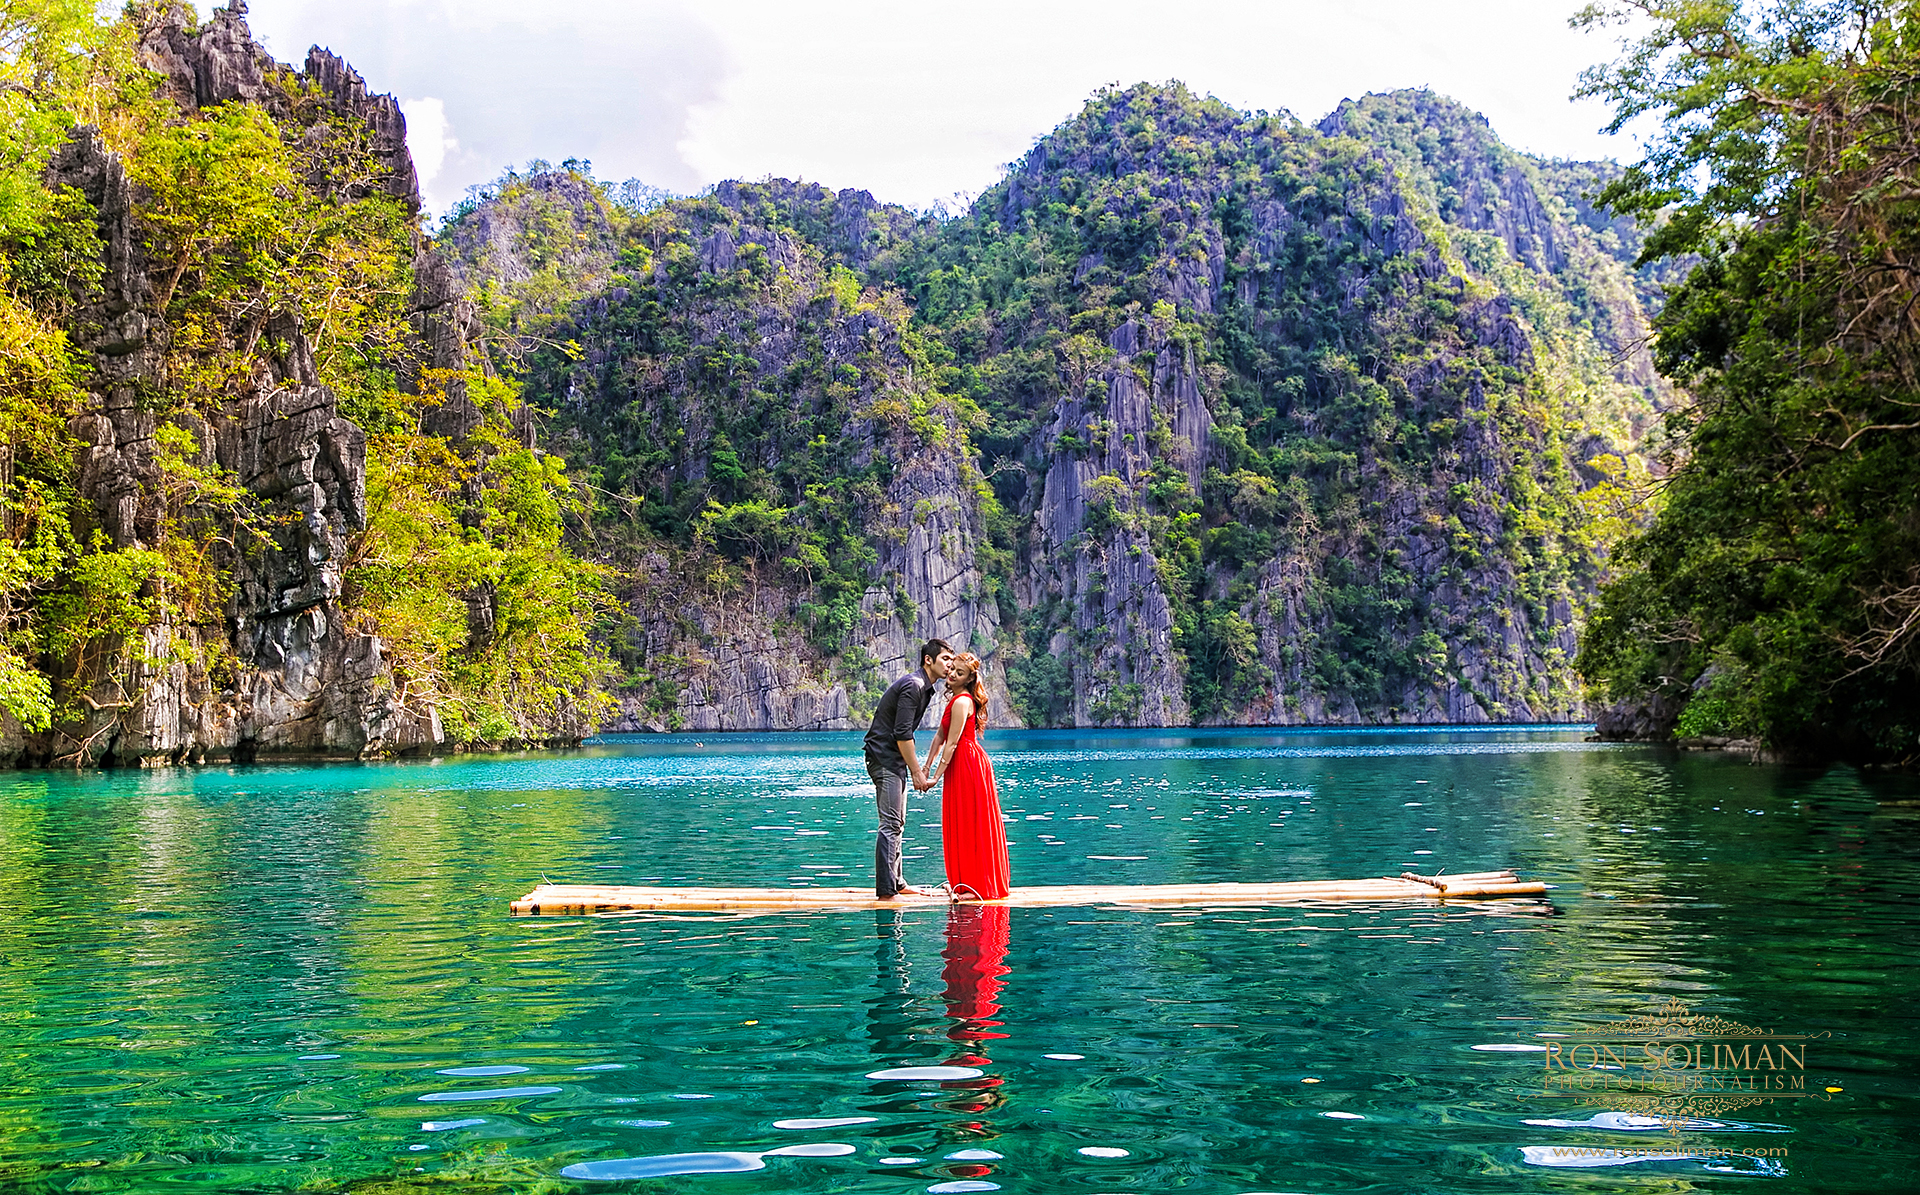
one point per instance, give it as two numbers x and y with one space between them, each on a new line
585 898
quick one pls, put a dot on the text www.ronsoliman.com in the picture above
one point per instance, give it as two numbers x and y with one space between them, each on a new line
1650 1151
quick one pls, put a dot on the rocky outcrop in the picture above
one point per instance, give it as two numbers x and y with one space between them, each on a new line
447 326
1120 633
495 241
1454 158
727 665
728 646
1646 719
219 62
279 671
213 64
299 681
308 683
386 125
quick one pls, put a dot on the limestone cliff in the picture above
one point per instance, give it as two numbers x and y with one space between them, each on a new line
1370 564
278 671
1198 416
730 343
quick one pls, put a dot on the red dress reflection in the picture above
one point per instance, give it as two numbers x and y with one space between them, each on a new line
976 960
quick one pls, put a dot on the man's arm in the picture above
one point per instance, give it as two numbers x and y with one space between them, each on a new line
933 750
904 724
920 781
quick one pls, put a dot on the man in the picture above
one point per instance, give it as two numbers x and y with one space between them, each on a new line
892 760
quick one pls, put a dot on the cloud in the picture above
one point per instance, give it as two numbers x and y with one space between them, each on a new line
914 102
429 137
611 83
917 101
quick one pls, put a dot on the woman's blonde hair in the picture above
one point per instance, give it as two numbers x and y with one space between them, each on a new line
968 663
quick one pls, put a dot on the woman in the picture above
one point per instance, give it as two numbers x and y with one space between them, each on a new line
971 832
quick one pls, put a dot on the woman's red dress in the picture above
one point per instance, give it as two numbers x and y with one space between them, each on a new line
974 838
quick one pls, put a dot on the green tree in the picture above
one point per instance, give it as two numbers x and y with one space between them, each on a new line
56 60
255 230
36 544
1780 579
462 572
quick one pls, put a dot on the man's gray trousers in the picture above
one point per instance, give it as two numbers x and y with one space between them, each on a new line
890 794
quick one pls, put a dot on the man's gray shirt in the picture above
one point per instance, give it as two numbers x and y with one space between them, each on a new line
901 708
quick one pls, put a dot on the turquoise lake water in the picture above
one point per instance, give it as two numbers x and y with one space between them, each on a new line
273 977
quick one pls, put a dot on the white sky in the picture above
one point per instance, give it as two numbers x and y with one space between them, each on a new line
916 102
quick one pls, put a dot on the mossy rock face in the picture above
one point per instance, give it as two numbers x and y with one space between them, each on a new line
1280 423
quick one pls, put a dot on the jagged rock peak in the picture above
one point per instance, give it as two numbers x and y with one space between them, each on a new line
494 238
219 62
333 76
850 224
1452 157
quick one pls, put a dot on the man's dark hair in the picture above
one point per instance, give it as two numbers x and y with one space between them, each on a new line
931 650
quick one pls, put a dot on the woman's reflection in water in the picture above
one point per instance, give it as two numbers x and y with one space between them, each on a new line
976 961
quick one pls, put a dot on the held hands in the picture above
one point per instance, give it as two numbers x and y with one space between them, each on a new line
937 766
931 777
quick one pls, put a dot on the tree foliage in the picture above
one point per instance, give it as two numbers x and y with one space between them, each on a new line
464 574
51 55
1780 584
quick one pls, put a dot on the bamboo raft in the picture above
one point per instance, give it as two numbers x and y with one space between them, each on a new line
575 899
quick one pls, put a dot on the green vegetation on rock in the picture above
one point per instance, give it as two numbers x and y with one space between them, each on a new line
1244 420
207 300
1199 415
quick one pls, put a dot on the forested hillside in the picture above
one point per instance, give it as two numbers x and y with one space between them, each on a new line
258 494
1199 416
1776 598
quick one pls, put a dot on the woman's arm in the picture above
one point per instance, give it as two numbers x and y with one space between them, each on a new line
939 739
961 710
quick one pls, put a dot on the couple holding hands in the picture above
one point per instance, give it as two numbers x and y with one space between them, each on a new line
971 832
